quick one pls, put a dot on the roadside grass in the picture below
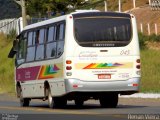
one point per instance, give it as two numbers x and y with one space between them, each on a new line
6 66
150 66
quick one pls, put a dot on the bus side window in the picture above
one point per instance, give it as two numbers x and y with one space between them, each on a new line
51 43
40 36
22 49
34 38
51 34
60 39
30 36
51 50
30 48
37 37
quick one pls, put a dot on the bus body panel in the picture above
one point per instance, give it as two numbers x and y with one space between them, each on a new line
123 87
51 71
102 68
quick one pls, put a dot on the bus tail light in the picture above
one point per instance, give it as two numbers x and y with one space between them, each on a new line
75 86
69 74
138 66
133 85
68 68
138 60
68 62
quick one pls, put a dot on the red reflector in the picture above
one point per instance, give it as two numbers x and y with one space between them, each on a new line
75 86
138 61
68 61
68 68
135 84
70 17
138 66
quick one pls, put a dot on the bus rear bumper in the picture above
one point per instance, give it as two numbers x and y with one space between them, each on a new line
129 86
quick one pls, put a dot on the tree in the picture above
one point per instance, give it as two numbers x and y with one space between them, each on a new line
76 3
43 7
35 7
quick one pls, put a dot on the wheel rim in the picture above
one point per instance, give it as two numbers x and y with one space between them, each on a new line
50 100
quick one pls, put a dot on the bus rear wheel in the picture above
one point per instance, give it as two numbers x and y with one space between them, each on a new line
60 102
109 101
79 102
50 99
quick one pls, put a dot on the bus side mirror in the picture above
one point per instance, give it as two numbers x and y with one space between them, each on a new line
14 49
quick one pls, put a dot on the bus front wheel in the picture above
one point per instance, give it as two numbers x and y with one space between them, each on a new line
109 101
24 102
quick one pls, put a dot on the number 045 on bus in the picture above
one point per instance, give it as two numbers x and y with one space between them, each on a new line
80 56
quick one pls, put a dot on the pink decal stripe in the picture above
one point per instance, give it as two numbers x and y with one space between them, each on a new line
25 74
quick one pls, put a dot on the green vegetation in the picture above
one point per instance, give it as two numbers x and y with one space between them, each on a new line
150 64
6 65
143 39
43 8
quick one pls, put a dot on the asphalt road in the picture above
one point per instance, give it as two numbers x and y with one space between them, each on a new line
127 109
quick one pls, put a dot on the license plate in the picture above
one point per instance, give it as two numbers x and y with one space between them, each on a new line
104 76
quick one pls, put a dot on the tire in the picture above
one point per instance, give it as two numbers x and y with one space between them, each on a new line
60 102
24 102
18 91
109 101
79 102
50 99
55 102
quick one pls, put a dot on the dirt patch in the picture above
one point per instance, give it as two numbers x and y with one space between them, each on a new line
146 16
153 45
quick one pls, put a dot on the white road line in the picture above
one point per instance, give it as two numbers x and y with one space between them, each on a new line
142 95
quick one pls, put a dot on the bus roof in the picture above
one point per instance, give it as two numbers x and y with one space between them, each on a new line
46 22
76 13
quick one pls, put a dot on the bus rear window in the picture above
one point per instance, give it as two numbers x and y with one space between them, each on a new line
102 31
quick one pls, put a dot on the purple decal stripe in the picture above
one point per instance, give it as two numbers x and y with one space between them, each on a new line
25 74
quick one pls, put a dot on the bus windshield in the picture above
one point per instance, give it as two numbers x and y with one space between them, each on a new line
102 31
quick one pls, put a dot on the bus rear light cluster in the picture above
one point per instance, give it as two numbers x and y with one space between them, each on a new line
138 65
68 67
